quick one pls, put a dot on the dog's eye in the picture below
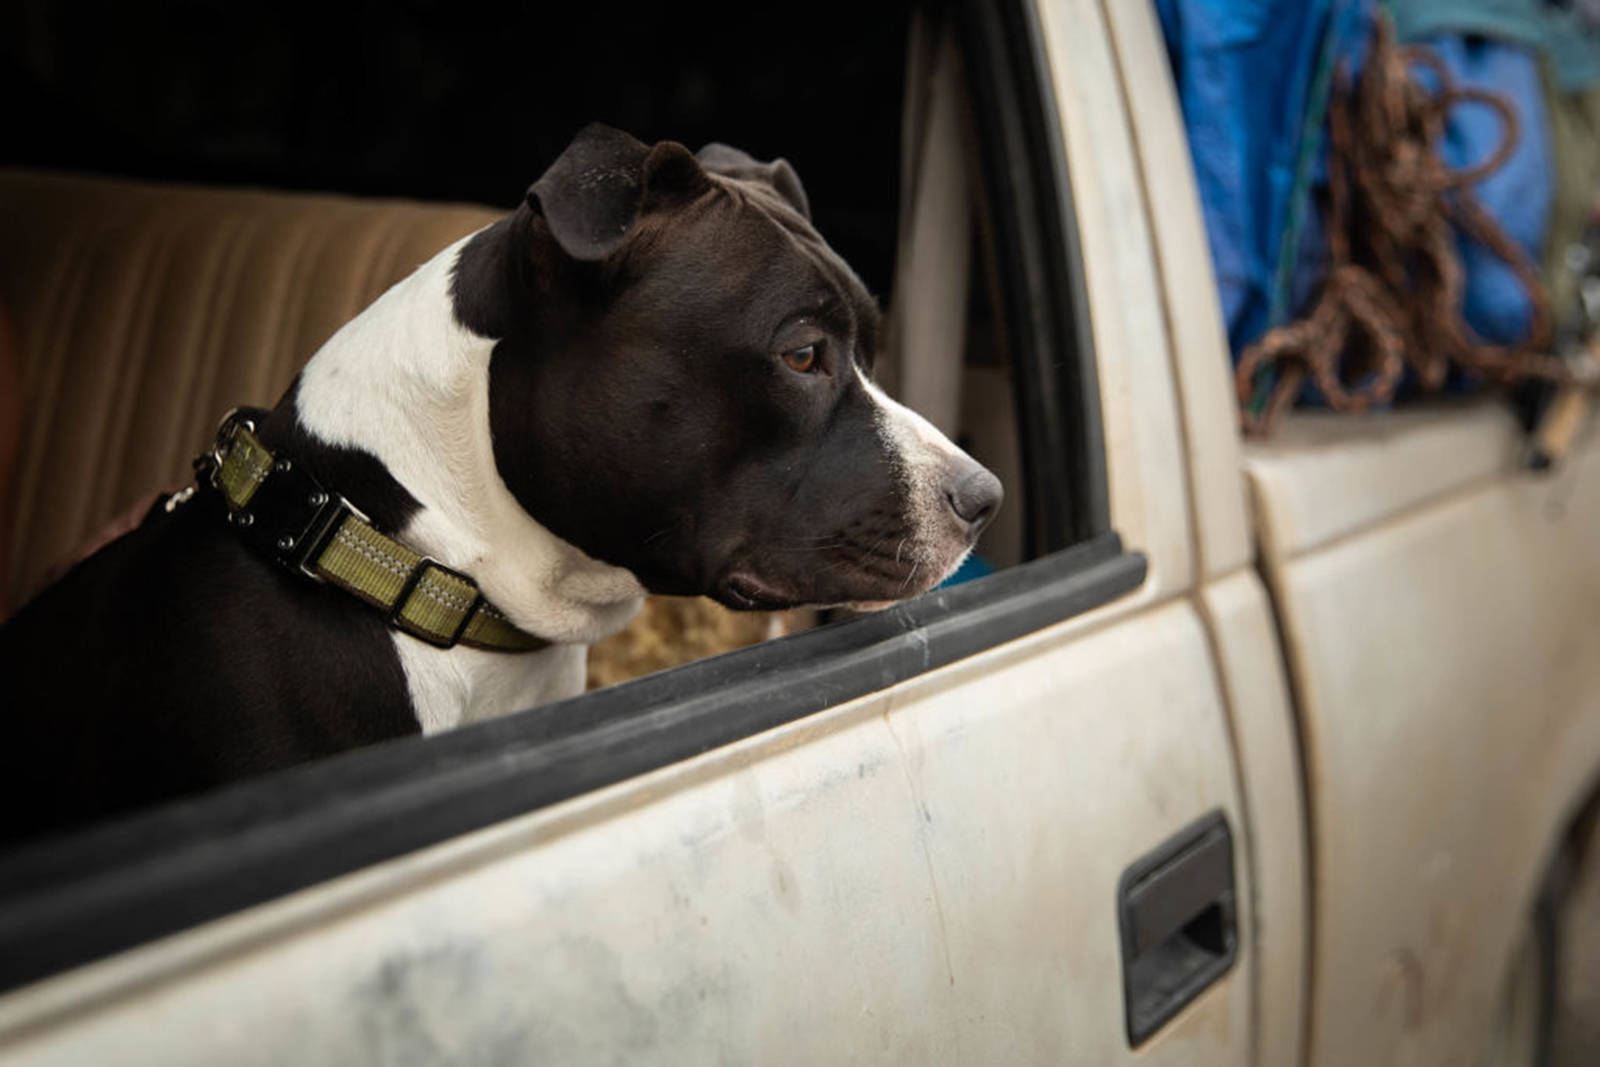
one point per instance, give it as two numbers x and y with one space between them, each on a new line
803 359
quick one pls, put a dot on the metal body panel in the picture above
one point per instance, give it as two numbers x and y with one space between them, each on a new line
1195 333
1437 606
1266 752
925 876
1230 596
1144 449
1449 698
1325 476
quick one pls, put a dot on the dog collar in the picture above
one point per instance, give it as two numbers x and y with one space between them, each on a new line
291 517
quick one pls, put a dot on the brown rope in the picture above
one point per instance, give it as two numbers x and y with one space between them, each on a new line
1392 295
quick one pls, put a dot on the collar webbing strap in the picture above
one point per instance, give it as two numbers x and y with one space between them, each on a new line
291 517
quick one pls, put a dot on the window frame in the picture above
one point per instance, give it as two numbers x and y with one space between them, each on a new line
70 900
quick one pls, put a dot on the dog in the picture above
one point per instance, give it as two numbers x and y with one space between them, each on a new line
653 375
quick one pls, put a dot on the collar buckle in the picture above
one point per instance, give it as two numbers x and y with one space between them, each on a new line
302 552
208 465
287 513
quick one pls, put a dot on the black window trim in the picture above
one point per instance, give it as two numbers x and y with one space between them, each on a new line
74 899
1047 302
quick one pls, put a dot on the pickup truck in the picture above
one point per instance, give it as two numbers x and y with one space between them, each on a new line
1271 753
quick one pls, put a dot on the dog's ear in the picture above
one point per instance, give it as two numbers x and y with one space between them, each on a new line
734 163
605 179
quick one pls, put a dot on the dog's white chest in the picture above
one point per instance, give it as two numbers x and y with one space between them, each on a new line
452 687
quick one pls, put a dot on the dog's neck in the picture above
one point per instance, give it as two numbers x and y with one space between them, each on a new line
406 382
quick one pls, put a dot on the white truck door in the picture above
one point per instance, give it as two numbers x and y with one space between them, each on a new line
1437 605
1000 824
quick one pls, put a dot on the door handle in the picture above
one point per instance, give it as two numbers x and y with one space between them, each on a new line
1176 911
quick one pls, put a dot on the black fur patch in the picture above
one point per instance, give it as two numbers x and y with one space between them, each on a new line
359 475
492 269
176 659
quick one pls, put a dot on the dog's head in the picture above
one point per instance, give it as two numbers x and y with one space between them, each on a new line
682 386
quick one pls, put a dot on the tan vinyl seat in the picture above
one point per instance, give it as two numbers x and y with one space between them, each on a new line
142 312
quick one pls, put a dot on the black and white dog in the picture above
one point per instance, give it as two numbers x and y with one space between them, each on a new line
653 375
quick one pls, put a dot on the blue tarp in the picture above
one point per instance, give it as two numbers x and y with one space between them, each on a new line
1519 193
1252 77
1247 71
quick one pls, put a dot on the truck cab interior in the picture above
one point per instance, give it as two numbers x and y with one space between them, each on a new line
175 250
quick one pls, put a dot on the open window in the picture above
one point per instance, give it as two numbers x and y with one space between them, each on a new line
944 185
974 297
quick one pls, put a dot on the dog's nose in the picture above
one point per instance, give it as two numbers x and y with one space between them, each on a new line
975 496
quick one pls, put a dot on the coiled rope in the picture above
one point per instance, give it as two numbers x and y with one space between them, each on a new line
1392 295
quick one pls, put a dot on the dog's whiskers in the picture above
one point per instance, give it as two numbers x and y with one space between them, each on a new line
907 583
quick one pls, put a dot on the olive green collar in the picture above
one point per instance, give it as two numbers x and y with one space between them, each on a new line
287 514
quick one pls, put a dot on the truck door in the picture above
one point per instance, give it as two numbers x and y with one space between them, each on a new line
998 824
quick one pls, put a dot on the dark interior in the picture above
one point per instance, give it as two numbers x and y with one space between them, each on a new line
458 101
